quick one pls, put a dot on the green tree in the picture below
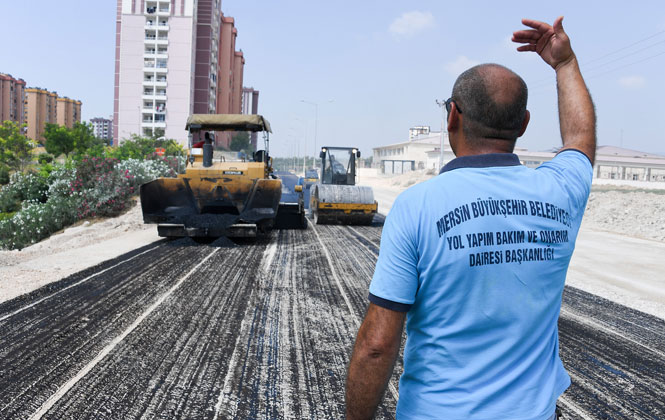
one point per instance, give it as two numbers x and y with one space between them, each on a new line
59 140
240 142
84 139
138 147
15 148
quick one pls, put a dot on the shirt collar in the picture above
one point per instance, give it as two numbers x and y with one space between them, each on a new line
482 161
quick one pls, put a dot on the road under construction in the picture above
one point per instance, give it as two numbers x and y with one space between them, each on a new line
263 329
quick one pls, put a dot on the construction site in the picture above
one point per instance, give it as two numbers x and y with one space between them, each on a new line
189 265
246 328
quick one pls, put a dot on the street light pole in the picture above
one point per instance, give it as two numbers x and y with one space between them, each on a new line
316 123
442 105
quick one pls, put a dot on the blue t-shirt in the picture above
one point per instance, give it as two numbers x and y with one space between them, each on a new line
478 257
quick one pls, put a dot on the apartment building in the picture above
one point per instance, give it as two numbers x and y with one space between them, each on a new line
40 108
11 99
102 128
68 111
167 66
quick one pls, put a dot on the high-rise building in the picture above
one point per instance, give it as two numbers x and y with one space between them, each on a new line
40 108
11 99
250 105
68 111
102 128
167 66
230 79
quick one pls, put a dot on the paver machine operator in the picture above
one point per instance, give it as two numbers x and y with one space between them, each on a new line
337 198
230 195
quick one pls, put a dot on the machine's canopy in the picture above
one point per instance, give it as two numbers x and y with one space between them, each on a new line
227 122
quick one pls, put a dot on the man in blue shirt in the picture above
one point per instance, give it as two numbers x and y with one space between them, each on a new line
475 259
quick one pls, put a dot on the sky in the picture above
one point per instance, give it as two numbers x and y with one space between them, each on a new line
375 68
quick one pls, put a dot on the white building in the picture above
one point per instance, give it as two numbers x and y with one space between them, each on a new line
102 128
412 154
422 151
166 63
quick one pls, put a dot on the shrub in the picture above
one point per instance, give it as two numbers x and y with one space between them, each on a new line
44 158
60 181
4 175
9 200
28 186
103 190
37 221
142 171
90 187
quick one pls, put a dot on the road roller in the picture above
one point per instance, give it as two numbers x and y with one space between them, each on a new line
336 199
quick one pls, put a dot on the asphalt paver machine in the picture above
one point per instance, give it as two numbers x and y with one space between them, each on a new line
336 199
230 194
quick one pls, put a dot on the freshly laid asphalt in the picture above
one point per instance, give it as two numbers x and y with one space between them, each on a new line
263 329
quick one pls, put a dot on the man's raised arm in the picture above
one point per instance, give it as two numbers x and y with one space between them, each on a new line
577 117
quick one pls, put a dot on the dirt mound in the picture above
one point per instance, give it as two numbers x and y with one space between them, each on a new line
629 212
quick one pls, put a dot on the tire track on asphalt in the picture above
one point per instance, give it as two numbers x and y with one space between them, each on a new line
639 326
358 265
41 348
618 335
235 360
568 406
30 305
611 378
296 370
336 277
184 348
51 401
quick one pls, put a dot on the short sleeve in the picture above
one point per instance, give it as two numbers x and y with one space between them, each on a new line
395 280
574 171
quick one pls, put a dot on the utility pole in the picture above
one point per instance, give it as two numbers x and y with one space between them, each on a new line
442 105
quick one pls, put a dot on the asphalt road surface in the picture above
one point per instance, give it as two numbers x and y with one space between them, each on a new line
244 330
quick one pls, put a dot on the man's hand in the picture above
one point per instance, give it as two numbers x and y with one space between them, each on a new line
374 354
550 42
577 117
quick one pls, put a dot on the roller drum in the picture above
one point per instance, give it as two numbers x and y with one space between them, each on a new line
355 194
342 204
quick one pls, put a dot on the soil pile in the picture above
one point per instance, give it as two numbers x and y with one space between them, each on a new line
636 213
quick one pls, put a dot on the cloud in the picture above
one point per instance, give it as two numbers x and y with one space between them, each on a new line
632 82
410 23
460 64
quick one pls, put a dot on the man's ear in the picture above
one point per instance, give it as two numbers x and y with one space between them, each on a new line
454 121
527 117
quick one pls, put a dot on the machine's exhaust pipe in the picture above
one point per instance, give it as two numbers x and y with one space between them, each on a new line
207 151
207 155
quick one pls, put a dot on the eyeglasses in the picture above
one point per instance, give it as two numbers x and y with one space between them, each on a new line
450 101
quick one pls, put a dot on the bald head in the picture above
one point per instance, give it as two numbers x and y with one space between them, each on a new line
492 100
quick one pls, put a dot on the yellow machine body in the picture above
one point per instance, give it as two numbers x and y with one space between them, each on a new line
225 199
220 193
